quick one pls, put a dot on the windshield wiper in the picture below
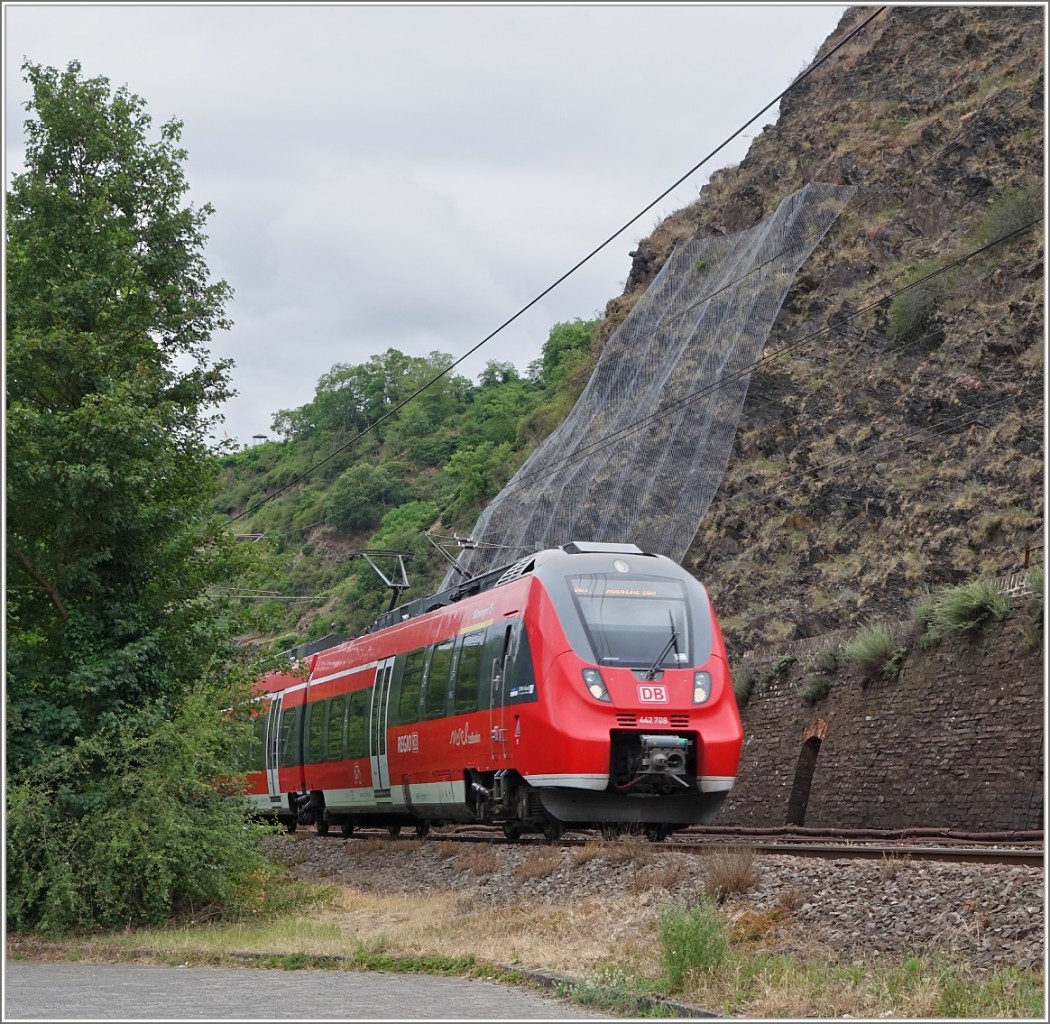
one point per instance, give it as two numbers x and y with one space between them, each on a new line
673 642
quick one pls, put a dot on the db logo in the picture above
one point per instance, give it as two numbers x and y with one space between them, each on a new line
652 694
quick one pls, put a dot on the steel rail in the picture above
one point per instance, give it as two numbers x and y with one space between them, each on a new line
1023 849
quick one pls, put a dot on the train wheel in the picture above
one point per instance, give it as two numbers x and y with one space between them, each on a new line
290 824
422 828
513 830
347 828
394 831
552 831
322 826
657 833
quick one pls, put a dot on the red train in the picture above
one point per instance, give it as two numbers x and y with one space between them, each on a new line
583 686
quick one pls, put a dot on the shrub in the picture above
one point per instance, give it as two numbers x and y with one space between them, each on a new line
814 687
827 659
967 608
872 649
125 829
693 940
743 685
911 311
1014 209
924 616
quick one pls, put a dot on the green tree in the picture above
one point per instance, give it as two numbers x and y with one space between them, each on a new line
564 350
361 495
479 473
110 545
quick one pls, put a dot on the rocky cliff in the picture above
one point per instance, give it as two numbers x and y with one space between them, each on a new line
892 439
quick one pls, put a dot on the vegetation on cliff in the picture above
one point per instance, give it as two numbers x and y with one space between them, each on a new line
892 439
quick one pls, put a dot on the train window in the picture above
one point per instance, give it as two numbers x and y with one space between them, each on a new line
640 621
411 684
336 714
315 716
497 645
356 730
288 738
435 700
468 673
520 687
257 757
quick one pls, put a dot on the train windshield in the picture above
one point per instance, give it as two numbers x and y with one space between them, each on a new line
641 622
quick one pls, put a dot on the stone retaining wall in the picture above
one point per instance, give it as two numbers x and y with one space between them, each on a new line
956 740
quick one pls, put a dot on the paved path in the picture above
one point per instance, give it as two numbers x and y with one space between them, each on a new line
39 990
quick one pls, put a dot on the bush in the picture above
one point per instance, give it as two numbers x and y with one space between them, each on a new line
1016 208
827 659
814 687
911 311
872 649
967 608
693 940
743 685
126 829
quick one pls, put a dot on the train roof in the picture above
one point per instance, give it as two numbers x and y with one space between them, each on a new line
496 578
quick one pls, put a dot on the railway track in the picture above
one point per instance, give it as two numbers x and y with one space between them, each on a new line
1018 848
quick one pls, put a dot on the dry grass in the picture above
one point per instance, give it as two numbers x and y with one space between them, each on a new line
755 927
628 849
540 862
587 939
890 865
729 870
663 876
479 859
791 899
585 854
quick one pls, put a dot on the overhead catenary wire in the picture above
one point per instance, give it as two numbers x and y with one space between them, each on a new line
619 231
588 449
972 129
585 450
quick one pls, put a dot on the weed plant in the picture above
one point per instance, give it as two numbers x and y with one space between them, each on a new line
963 609
693 941
872 649
814 687
827 659
729 870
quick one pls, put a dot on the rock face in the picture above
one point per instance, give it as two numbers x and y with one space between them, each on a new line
891 442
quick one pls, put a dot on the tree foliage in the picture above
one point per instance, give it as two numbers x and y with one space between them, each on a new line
443 455
109 385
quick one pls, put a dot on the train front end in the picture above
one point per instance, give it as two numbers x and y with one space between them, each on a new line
643 726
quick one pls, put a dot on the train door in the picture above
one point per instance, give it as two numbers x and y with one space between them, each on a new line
273 754
377 730
496 650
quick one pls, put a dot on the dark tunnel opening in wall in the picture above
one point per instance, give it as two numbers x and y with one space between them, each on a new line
804 771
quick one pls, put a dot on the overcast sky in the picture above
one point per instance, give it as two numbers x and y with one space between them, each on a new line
411 176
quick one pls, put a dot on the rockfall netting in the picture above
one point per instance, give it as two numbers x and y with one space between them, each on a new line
643 452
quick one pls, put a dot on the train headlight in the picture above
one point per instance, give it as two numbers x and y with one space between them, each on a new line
701 687
592 679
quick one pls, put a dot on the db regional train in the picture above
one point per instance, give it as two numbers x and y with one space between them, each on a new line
584 686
